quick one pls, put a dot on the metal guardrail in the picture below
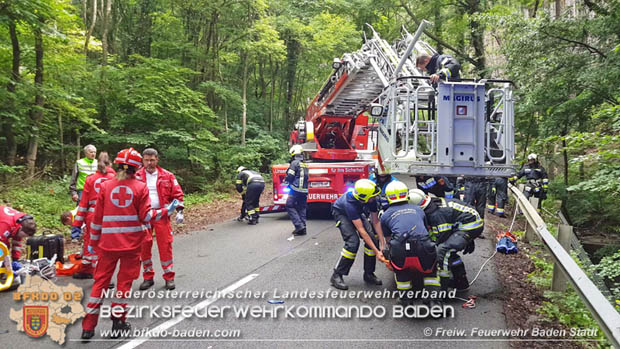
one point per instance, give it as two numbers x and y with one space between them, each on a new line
600 308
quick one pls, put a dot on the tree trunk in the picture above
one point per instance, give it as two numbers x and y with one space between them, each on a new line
37 110
225 116
273 91
7 126
62 143
477 37
92 26
245 101
292 53
437 23
106 28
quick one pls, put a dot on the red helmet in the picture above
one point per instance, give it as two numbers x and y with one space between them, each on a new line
129 157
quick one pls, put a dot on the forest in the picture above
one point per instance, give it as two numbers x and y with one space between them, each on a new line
217 83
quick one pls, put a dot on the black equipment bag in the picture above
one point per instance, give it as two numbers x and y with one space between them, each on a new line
45 246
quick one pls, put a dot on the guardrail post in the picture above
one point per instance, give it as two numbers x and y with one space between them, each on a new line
559 280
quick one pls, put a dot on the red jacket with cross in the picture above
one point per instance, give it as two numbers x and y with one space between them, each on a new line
168 188
122 215
9 228
86 208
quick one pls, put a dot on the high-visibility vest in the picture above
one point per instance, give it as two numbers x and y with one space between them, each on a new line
85 167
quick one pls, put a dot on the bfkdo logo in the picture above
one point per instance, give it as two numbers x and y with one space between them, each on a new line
36 319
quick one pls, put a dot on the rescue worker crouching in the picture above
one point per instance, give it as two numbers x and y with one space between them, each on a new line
297 179
350 211
412 253
537 180
250 184
14 227
118 230
453 226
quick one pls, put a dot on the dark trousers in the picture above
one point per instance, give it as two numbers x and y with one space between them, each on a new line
497 195
476 195
296 205
251 199
448 261
351 239
412 261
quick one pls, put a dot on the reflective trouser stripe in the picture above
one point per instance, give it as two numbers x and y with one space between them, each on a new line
369 252
347 254
491 207
500 210
431 281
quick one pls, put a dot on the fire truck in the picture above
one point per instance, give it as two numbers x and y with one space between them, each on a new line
455 128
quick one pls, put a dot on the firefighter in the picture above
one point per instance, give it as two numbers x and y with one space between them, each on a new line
382 177
163 189
15 226
350 212
438 186
118 230
537 180
443 67
82 169
476 193
497 195
297 179
250 184
453 226
84 215
411 250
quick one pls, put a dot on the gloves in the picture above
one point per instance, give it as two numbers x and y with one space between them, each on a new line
180 219
91 249
172 206
471 246
76 232
16 265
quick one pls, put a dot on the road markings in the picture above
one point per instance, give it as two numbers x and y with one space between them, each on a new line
166 325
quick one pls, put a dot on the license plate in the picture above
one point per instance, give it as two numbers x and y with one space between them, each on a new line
319 184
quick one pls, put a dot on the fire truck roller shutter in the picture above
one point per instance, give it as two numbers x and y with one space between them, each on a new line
309 131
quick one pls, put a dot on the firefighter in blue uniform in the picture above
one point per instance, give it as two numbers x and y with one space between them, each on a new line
250 184
297 179
537 179
439 186
497 196
382 177
453 226
411 252
350 212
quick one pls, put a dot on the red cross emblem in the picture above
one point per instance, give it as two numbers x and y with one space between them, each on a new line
98 182
121 196
9 211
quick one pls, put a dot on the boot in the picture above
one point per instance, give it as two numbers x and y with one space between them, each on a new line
170 285
461 283
146 284
241 218
82 276
87 335
338 282
111 285
120 328
372 279
299 232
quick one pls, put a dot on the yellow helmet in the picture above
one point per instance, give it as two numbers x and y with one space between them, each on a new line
396 191
418 197
365 189
296 150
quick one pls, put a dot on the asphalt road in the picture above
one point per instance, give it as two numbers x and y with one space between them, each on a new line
235 257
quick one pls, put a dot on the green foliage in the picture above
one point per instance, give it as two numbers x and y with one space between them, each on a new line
543 272
45 200
609 269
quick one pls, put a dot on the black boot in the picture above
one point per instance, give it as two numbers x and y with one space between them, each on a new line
120 328
372 279
82 276
299 232
338 282
146 284
87 335
461 283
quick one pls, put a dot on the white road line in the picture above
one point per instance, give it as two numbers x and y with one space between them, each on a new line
166 325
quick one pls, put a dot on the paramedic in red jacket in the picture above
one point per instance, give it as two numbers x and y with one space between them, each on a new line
14 226
120 225
85 212
163 189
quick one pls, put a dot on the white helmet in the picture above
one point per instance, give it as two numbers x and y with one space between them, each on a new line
418 197
532 157
296 150
241 168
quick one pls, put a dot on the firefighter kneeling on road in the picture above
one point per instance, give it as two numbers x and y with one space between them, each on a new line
454 226
118 230
411 253
251 185
350 212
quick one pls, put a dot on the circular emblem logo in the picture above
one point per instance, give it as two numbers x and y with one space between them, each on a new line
121 196
9 211
98 182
